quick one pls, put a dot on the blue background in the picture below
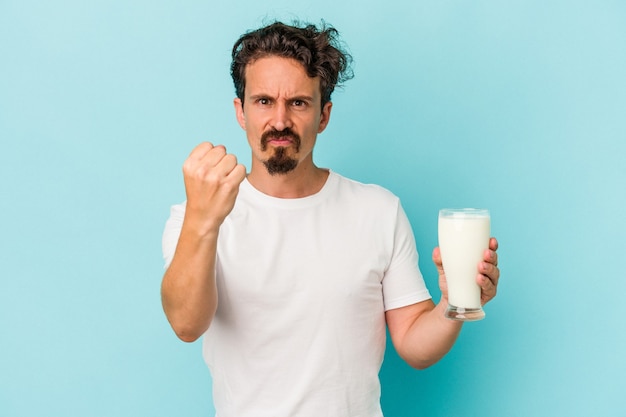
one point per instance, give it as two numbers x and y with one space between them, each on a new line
516 106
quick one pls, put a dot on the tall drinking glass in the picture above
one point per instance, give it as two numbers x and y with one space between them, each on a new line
463 237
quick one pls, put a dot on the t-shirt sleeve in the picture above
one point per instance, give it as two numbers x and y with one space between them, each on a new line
403 283
171 233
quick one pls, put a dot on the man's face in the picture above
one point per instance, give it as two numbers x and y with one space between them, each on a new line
281 114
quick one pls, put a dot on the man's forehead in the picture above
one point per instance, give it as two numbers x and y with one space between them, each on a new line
273 74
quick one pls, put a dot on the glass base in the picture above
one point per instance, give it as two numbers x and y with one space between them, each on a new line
464 314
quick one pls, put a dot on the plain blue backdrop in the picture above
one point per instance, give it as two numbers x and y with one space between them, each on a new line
517 106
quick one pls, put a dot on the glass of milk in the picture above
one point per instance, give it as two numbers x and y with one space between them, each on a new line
463 237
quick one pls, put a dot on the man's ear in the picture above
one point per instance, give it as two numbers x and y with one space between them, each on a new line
325 117
241 118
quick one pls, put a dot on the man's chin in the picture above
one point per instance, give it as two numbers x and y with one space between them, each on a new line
281 166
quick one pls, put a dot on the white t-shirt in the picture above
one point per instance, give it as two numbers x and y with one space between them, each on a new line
303 285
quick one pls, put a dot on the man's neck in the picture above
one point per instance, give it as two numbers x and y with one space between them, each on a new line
303 181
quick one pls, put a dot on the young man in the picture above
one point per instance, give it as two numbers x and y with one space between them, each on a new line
292 272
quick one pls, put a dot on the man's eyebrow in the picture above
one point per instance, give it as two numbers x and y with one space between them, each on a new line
301 97
258 96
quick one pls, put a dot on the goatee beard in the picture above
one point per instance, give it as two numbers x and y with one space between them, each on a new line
280 162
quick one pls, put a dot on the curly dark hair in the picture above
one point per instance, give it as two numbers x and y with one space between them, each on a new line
318 50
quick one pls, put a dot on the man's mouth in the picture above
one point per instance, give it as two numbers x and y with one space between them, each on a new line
280 141
285 137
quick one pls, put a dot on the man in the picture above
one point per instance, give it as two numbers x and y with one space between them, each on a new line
292 272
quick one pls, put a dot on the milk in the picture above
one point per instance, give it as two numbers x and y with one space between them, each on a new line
463 237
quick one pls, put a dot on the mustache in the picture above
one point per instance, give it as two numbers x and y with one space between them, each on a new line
277 134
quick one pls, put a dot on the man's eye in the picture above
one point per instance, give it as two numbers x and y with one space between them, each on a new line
299 103
264 101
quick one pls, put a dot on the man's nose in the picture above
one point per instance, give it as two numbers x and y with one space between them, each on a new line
281 117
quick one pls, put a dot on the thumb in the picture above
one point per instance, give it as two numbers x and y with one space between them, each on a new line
437 259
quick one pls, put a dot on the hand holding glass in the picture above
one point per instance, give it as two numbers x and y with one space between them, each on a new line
463 237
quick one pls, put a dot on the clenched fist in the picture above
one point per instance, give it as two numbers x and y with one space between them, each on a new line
212 178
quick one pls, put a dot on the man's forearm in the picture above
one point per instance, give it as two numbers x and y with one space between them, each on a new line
429 338
188 291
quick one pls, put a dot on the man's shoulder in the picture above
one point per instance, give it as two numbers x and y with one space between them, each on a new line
348 186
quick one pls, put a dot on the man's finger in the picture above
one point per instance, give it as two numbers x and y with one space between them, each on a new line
490 271
214 156
199 151
238 173
490 256
487 287
437 260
